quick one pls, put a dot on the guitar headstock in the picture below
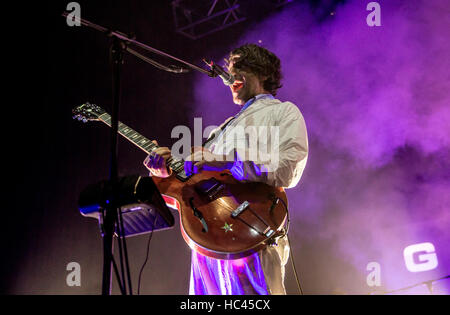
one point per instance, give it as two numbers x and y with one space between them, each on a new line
88 112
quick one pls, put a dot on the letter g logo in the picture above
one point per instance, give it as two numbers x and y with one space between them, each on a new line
420 257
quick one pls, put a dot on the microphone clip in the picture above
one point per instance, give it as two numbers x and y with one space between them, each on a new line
215 71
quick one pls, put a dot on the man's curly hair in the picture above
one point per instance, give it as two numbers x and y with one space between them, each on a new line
261 62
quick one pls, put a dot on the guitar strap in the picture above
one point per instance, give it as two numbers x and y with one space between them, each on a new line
227 122
222 127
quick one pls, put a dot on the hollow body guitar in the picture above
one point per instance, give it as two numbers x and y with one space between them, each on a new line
220 217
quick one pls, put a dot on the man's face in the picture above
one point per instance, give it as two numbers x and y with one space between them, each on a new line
246 84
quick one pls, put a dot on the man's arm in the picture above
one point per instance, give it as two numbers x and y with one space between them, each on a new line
287 158
284 165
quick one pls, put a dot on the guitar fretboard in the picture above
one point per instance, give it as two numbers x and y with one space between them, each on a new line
177 165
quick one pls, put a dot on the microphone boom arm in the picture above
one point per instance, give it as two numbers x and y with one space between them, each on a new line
133 41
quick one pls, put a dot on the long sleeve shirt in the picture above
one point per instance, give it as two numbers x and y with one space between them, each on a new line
267 142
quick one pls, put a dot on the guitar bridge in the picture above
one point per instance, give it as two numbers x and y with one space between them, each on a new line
239 209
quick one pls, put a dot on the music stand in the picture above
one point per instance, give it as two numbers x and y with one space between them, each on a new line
141 209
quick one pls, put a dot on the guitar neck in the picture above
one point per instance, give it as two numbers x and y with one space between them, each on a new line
142 142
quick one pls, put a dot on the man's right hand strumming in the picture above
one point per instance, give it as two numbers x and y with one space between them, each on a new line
155 162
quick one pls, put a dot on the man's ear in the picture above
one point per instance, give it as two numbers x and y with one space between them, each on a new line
262 79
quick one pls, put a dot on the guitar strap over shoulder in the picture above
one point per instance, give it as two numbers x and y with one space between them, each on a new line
222 127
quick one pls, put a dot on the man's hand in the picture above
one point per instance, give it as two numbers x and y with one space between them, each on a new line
155 162
202 159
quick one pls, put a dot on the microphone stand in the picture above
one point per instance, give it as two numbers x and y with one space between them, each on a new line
116 56
112 214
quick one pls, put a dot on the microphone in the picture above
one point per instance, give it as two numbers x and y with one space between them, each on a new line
216 70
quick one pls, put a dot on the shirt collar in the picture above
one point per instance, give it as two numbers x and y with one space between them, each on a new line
254 99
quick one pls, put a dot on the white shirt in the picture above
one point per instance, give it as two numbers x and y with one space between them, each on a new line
281 143
263 272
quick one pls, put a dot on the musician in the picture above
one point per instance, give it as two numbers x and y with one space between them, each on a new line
257 74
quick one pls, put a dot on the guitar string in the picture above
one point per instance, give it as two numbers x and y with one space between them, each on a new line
149 146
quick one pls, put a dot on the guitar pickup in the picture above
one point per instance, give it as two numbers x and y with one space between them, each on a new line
181 175
209 188
239 209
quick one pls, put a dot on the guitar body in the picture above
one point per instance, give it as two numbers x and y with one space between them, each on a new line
221 235
220 216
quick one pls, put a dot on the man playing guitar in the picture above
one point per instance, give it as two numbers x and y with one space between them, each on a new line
257 74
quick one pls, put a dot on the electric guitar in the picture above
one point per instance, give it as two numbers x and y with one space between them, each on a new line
220 217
